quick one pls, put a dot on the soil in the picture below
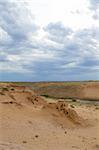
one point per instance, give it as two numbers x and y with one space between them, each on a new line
31 122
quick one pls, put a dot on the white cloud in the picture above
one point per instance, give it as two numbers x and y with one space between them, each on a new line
75 14
12 68
70 65
49 36
4 37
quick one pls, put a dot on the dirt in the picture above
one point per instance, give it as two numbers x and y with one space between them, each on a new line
28 121
80 90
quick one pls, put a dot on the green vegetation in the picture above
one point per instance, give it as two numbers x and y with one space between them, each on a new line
5 89
72 106
74 100
47 96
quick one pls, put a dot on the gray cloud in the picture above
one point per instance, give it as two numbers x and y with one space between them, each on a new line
59 55
96 15
16 21
94 4
16 25
82 51
57 31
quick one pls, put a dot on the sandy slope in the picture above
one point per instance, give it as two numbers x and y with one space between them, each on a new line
27 122
83 90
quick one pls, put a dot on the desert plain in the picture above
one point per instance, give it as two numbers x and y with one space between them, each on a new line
49 116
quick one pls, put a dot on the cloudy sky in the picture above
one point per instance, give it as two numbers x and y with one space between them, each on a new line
49 40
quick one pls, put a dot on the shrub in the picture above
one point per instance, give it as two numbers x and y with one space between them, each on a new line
4 89
12 89
72 106
74 100
45 95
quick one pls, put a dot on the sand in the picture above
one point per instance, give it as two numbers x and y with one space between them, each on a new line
80 90
29 122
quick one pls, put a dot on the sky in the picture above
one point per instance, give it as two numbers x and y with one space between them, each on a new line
49 40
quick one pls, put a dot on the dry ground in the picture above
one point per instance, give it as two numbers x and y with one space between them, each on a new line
28 122
80 90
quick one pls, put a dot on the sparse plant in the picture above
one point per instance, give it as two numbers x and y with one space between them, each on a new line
45 95
74 100
12 89
5 89
72 106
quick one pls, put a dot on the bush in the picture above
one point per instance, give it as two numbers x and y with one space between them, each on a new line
72 106
74 100
12 89
4 89
45 95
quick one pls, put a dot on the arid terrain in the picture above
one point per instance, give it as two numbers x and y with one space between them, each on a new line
49 116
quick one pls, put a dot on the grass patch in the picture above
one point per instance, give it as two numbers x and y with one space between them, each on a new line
5 89
47 96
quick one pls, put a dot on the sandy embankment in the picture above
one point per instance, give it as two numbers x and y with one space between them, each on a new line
84 90
28 122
